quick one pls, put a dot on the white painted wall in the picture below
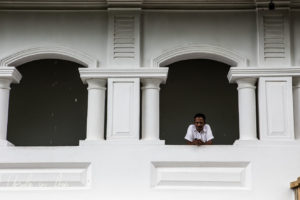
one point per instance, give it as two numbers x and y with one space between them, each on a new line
87 31
84 31
234 31
125 171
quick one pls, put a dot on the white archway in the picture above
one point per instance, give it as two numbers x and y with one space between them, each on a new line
48 52
198 51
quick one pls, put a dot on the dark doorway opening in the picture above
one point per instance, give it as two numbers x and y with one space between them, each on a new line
195 86
48 107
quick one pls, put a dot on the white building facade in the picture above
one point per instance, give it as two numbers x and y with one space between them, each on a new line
126 48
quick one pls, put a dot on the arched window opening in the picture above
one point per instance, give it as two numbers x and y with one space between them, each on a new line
198 86
48 107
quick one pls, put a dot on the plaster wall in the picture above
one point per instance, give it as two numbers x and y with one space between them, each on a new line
126 172
84 31
234 31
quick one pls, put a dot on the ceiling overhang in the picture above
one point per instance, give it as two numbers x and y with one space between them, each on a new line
144 4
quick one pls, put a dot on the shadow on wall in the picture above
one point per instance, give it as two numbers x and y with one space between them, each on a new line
195 86
48 107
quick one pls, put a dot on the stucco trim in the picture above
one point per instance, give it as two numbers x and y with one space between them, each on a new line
196 51
256 72
143 73
48 52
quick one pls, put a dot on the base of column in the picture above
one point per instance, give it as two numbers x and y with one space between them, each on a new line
125 142
5 143
158 142
266 143
136 142
91 142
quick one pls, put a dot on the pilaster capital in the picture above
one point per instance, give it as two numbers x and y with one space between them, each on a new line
142 73
151 83
236 73
9 75
96 83
246 83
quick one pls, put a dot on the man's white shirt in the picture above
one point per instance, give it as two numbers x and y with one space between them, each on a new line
205 135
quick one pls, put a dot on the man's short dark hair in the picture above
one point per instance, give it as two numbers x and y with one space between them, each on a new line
200 115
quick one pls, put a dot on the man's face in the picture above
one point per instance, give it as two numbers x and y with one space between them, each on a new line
199 123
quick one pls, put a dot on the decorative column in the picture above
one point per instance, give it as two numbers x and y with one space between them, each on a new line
96 107
247 108
150 110
296 100
8 75
123 104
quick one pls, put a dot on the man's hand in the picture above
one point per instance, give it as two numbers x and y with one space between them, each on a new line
199 142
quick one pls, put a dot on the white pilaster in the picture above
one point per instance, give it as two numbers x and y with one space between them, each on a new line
150 110
247 108
296 95
8 75
96 108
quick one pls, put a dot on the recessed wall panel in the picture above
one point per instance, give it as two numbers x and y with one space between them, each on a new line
123 108
44 175
201 175
276 108
121 100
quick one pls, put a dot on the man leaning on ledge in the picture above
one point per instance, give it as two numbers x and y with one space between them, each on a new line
199 133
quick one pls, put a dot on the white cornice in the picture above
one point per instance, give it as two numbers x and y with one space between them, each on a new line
236 73
145 4
104 73
51 4
278 4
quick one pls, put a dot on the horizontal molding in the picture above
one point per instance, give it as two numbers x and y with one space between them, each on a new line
146 4
44 4
202 174
90 73
44 175
255 72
